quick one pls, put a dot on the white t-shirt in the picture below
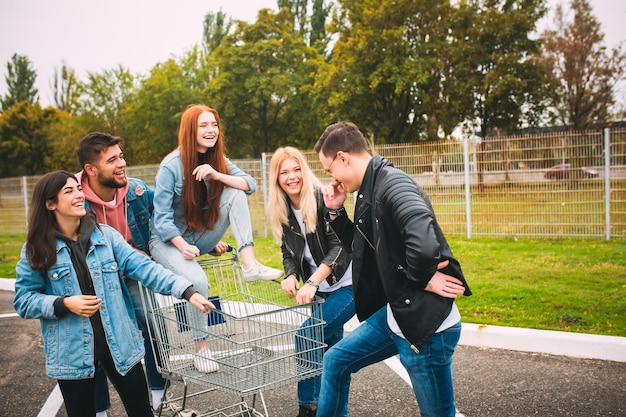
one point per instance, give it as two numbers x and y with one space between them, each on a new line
453 318
345 280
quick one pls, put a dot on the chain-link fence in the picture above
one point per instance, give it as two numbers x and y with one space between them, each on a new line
557 184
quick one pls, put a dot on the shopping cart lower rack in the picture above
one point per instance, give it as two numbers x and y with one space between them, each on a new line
258 337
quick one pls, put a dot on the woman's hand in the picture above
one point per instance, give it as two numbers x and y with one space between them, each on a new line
305 294
220 248
189 251
205 171
82 305
201 303
290 285
445 285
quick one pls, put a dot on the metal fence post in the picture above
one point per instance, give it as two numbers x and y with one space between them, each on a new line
25 195
264 186
607 182
468 207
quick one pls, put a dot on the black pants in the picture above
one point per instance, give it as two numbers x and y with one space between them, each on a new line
79 395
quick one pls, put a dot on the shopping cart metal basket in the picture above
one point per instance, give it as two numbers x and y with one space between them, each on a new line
258 336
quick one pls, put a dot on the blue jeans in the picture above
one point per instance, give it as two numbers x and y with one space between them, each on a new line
155 380
430 370
337 309
234 213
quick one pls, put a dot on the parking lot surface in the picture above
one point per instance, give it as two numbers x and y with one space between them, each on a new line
488 382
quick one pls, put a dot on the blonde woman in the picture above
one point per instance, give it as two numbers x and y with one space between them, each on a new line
313 258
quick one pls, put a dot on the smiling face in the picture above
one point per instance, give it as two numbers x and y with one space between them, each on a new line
70 204
290 179
110 169
208 131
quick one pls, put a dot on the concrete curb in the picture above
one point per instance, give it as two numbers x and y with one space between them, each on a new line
577 345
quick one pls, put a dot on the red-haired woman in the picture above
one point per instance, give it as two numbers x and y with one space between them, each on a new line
198 194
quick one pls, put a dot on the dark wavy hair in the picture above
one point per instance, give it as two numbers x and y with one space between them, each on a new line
42 223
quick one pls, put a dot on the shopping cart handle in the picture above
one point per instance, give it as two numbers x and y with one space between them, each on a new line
213 252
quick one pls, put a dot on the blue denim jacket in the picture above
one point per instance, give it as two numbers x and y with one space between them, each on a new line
139 206
68 340
168 219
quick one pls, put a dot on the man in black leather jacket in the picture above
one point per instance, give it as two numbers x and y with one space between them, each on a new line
405 278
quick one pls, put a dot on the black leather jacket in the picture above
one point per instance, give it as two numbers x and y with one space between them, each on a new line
397 244
324 245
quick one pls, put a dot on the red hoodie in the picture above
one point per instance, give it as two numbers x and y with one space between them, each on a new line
107 213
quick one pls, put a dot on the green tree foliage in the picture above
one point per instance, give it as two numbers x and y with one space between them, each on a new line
264 74
495 76
104 95
65 89
20 80
385 66
582 69
23 140
153 115
216 26
63 133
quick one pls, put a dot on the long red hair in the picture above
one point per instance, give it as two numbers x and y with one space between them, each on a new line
196 218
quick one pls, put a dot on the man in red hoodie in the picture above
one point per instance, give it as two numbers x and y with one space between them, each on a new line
126 205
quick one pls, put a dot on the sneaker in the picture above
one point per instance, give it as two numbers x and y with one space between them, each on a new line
167 410
306 411
203 361
261 272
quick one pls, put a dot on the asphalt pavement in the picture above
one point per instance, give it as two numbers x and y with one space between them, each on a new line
488 382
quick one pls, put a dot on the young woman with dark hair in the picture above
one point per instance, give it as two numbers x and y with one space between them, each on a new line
70 276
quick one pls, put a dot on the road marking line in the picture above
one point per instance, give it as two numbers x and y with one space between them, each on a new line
53 403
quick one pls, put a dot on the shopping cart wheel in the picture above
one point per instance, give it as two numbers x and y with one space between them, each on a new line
187 413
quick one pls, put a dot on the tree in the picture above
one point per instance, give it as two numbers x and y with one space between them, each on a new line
385 70
104 96
216 26
313 28
23 140
501 84
152 116
262 87
20 80
65 88
582 69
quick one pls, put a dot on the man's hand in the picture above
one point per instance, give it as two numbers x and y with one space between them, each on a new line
82 305
334 195
445 285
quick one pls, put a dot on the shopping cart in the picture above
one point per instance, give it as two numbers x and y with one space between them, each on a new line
259 338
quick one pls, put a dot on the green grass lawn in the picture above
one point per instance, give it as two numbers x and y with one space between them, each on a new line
568 285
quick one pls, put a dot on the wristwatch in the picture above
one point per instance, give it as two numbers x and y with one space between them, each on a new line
335 212
313 283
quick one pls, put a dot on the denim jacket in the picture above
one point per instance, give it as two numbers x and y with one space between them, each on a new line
68 340
168 219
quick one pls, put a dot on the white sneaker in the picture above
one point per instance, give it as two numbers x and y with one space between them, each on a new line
203 361
261 272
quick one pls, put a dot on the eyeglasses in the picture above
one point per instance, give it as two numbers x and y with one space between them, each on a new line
327 170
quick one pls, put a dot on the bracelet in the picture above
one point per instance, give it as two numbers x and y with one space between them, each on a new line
335 212
313 283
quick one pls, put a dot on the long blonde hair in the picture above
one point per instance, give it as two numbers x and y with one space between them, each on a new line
278 207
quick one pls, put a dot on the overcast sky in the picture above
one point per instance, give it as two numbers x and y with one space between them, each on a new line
91 35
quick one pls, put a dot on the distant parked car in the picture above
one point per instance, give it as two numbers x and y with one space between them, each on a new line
562 172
